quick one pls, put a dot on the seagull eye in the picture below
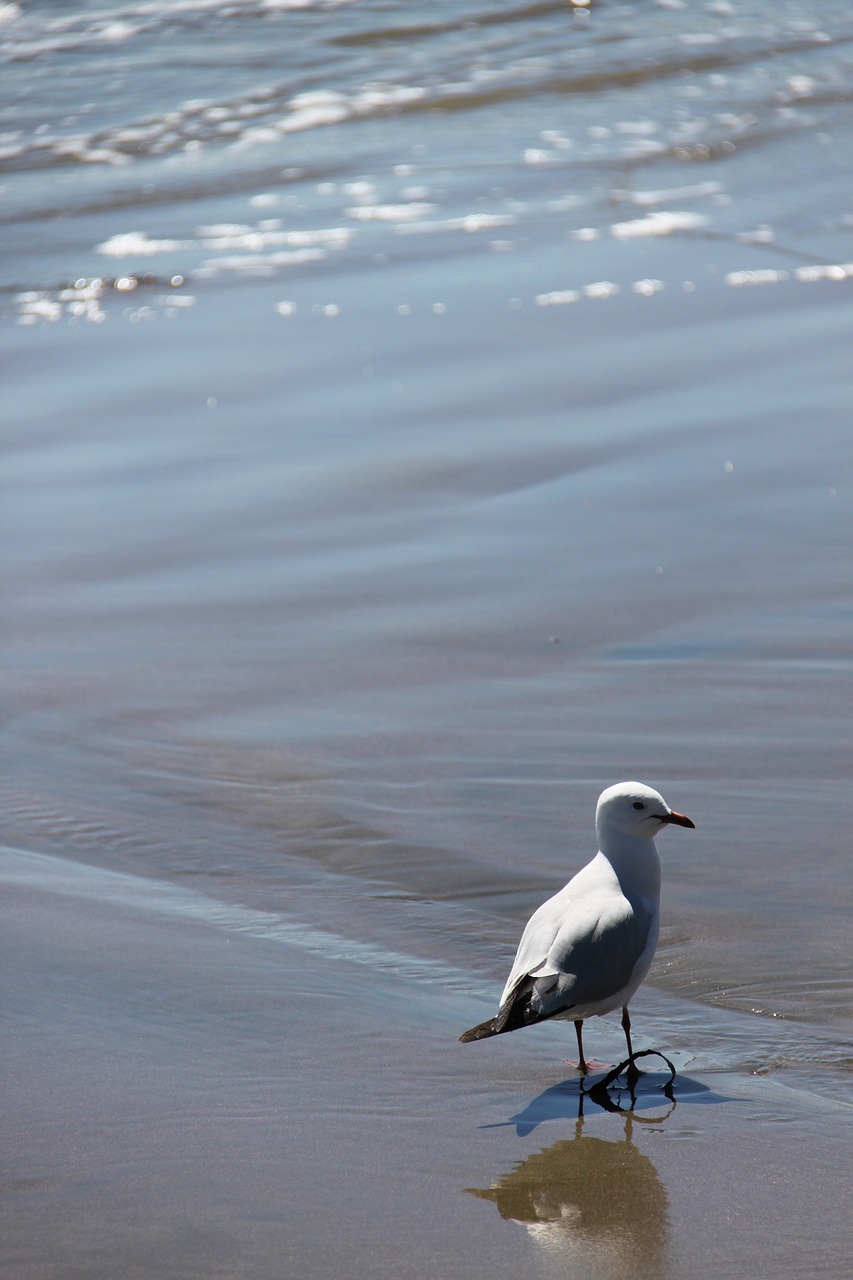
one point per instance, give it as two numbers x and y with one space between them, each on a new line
638 804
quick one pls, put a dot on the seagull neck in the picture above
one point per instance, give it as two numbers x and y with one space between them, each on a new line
634 860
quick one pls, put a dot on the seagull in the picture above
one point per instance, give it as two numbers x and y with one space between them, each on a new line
585 951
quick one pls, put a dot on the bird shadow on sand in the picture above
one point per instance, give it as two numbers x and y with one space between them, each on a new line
655 1092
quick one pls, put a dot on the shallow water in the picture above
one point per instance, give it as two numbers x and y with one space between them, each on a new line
413 424
463 472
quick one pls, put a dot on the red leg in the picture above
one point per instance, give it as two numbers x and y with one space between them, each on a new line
582 1066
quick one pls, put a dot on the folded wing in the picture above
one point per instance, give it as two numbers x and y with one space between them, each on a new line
575 954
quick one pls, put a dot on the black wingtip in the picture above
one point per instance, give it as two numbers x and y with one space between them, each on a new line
481 1032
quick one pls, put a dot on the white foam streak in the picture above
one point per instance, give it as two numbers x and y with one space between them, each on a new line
130 244
307 118
657 224
390 212
260 264
471 222
833 271
557 298
645 199
764 275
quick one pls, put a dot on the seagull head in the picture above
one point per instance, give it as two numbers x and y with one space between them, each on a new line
635 810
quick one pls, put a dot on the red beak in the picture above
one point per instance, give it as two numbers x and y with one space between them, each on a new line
679 820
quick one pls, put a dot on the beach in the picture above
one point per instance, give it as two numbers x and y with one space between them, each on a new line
414 424
190 1097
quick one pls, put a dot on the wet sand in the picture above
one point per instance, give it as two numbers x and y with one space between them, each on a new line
187 1099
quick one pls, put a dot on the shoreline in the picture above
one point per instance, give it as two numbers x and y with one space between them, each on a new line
193 1101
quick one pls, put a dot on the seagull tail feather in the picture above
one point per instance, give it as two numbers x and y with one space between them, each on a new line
515 1012
482 1031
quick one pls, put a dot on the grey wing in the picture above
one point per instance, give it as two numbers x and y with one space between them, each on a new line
591 959
540 934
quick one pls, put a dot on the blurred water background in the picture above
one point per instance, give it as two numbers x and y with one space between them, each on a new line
416 419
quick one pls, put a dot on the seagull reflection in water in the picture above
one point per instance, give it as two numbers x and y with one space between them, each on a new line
592 1206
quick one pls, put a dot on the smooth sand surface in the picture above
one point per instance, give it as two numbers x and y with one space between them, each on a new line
189 1099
